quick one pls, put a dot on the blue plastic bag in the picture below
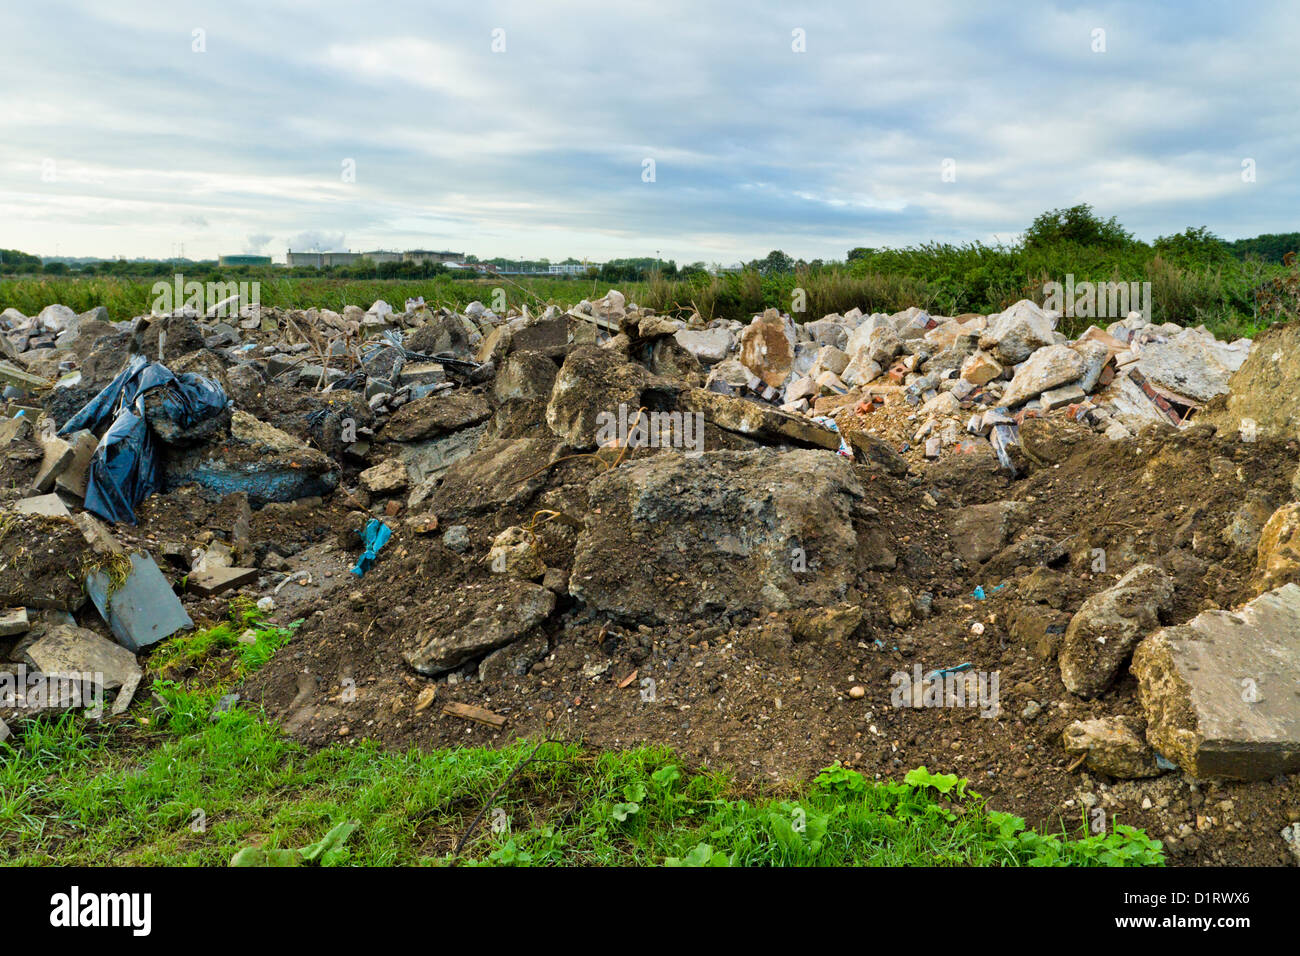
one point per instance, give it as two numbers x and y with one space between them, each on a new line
125 469
373 537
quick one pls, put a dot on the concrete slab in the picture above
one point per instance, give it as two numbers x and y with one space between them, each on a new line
15 376
215 580
12 429
144 610
1220 691
58 455
14 621
96 533
81 654
50 504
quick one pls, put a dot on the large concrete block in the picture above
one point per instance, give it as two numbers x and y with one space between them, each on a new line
1222 692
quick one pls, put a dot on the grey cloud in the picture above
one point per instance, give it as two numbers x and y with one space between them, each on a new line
538 150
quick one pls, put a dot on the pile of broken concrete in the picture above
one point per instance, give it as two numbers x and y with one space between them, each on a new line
971 375
732 484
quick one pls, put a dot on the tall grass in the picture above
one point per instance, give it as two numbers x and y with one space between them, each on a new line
1222 293
125 298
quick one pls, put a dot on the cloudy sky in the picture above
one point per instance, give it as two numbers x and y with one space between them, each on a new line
698 131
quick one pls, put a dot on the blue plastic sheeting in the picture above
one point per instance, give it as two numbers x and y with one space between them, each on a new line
125 469
374 537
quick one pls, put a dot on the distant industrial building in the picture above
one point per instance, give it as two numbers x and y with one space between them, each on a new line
312 260
453 260
425 256
242 260
319 260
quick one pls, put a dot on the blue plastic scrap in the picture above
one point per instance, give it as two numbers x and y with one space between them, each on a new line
125 469
827 422
944 672
373 537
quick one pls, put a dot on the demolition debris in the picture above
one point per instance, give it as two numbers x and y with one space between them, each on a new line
720 536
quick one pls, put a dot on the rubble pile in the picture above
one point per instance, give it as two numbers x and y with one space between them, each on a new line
729 538
970 377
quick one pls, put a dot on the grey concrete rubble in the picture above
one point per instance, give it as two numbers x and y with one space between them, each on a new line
78 652
1219 692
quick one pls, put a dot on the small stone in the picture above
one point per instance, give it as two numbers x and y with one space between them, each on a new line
456 538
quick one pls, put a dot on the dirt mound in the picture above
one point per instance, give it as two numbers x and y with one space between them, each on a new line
1265 391
600 544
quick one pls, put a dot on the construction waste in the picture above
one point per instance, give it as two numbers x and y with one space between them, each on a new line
968 541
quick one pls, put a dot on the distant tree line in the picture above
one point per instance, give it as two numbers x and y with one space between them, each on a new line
1058 234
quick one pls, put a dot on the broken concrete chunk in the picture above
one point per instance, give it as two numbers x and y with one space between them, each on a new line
259 459
1054 398
525 376
834 624
980 531
75 653
761 422
14 429
1193 363
592 384
140 609
1220 691
1015 334
50 505
709 346
386 478
503 473
1047 368
14 621
13 375
97 535
1115 746
215 580
503 615
58 455
74 477
767 348
1104 631
980 368
755 530
436 415
514 552
1277 560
